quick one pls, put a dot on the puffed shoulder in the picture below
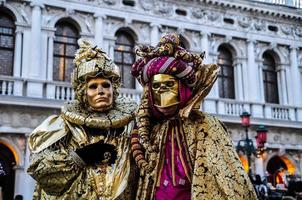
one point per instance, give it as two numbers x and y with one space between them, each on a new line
50 131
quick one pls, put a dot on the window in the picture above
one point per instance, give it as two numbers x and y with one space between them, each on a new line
7 44
226 74
124 57
181 12
270 85
65 46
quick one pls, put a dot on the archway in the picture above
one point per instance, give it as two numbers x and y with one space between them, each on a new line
7 173
279 166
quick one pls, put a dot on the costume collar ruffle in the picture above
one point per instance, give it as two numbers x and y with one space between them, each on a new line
118 116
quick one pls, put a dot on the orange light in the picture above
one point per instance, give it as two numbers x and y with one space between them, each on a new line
290 166
244 163
16 156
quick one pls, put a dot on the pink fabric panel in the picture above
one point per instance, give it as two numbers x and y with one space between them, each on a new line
166 190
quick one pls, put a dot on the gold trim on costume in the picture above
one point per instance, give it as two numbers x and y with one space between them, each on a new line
119 116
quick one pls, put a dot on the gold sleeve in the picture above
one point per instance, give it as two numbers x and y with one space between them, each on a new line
54 169
217 158
47 133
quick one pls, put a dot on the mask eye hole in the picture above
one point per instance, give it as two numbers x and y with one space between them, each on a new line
106 85
169 83
155 85
93 86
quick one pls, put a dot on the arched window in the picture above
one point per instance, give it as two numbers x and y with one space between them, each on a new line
7 43
270 84
226 74
124 57
65 45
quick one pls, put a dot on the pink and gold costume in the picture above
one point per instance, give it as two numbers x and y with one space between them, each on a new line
188 155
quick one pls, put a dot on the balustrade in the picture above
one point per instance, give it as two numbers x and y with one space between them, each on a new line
10 86
6 87
290 3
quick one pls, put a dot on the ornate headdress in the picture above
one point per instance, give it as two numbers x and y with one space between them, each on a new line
90 61
168 57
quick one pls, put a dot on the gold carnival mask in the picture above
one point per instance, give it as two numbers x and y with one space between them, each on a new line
164 90
99 94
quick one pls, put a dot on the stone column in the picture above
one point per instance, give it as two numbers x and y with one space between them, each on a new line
245 78
35 40
111 44
18 84
50 56
238 80
205 45
24 184
35 85
259 168
295 77
26 53
261 87
28 180
282 86
18 53
20 175
215 89
99 29
289 87
253 74
154 34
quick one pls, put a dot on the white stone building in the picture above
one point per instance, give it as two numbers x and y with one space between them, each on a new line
257 43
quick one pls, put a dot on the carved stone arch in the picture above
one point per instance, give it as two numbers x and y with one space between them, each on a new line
74 20
287 159
279 57
132 30
234 47
230 46
16 14
19 157
128 29
273 53
111 28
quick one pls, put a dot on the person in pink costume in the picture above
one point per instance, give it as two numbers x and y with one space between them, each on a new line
182 153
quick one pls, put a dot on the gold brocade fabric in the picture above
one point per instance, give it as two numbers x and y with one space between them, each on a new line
61 175
217 171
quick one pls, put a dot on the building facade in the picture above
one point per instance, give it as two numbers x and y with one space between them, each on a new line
258 45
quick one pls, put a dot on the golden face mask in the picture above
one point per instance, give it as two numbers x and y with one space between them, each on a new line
99 94
164 90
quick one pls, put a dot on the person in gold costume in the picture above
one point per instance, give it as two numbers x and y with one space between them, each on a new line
182 153
84 153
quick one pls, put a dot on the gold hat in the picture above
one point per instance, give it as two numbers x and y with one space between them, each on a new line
91 61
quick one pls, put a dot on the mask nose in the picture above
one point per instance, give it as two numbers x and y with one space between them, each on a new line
101 91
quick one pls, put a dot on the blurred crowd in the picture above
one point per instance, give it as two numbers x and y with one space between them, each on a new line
278 186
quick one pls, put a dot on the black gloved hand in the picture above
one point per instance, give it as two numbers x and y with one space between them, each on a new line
98 153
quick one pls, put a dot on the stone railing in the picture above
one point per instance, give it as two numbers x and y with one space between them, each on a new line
59 91
259 110
64 91
10 86
131 93
290 3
